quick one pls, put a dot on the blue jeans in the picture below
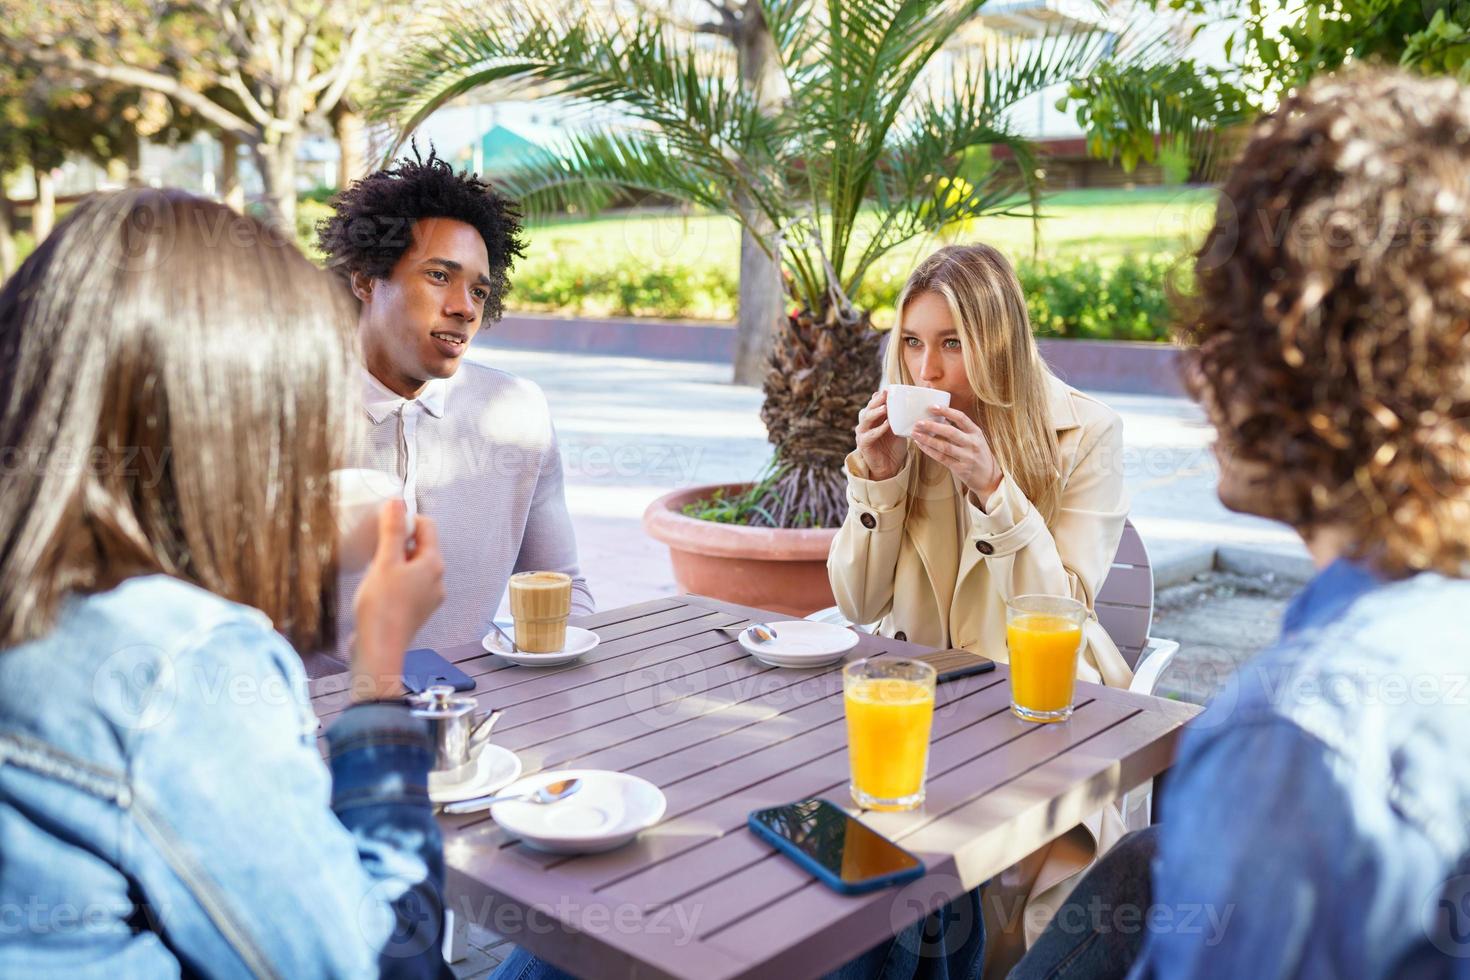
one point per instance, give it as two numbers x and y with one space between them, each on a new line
948 944
1088 938
521 965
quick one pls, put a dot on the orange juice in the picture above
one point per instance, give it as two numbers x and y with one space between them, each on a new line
1043 663
888 722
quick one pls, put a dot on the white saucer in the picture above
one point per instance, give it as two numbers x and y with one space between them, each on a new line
800 643
608 811
494 767
579 641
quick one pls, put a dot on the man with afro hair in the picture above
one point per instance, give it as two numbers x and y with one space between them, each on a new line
427 252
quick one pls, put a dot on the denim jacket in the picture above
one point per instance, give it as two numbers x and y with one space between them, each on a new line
1317 820
164 809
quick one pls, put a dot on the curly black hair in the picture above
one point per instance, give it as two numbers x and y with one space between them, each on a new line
374 218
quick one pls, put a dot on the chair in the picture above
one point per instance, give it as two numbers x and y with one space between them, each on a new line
1125 607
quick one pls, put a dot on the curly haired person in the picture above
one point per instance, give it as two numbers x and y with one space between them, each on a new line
427 253
1315 822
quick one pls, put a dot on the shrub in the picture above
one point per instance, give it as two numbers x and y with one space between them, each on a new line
1086 299
1083 298
624 287
1127 299
308 212
741 507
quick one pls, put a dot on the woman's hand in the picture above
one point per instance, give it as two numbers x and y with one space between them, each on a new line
398 594
881 450
962 448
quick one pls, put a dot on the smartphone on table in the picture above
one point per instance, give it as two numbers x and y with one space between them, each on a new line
842 852
424 668
951 665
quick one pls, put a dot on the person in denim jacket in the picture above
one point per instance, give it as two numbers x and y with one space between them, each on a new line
1316 822
175 384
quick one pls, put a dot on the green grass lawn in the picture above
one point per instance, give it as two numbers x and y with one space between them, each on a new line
664 263
1075 224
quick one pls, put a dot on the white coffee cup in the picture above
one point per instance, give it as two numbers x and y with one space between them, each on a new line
361 495
908 404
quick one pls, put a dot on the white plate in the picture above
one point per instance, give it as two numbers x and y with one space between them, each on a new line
494 767
801 663
608 811
801 643
579 641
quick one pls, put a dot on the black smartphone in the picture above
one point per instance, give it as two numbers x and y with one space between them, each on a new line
423 668
843 853
951 665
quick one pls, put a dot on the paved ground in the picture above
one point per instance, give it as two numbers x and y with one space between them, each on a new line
1220 620
633 429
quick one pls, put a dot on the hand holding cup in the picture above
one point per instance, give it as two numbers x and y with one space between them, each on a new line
881 450
400 591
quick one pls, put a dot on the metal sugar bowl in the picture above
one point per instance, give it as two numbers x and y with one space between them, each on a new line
457 728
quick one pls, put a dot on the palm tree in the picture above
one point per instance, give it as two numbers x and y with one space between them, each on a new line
845 166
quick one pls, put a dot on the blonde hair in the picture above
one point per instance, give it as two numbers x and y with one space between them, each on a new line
1004 367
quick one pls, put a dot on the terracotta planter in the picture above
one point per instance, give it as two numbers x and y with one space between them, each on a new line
765 567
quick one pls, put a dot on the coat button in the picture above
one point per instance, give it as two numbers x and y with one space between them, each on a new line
985 547
900 635
869 521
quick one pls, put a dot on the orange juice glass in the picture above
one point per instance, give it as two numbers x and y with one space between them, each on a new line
1043 633
890 710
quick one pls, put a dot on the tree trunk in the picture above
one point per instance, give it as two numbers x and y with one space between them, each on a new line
351 140
231 191
135 162
277 163
760 296
43 212
760 302
8 255
823 371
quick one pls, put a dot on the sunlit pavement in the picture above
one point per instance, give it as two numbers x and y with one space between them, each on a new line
632 429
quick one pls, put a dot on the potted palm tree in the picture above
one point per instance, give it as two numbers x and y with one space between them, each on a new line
846 151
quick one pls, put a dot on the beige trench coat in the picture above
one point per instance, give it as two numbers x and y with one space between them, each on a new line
917 556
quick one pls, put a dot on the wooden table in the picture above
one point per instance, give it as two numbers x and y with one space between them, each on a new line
668 698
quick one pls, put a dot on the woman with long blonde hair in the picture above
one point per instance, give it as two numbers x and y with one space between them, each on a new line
1015 488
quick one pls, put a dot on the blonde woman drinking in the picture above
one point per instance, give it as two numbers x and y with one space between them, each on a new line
1015 488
